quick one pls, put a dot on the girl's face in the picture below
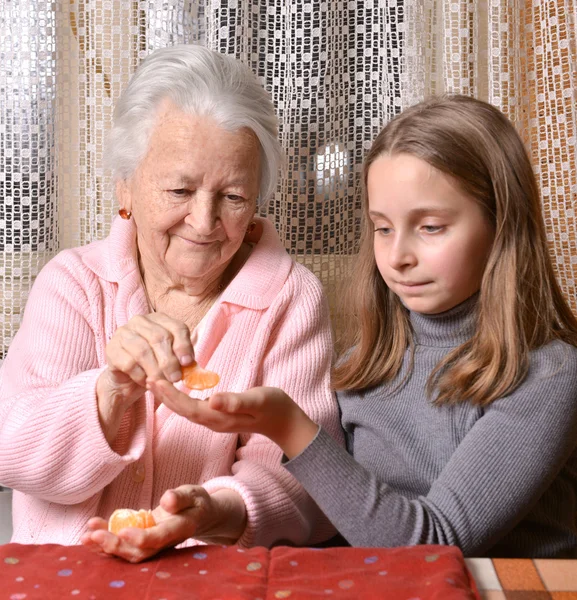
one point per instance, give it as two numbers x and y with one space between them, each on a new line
193 195
431 240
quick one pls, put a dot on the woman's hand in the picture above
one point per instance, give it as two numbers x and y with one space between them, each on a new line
265 410
148 346
188 511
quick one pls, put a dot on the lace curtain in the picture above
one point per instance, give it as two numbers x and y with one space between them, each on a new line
337 71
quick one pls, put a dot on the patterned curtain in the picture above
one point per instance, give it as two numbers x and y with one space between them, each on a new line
337 71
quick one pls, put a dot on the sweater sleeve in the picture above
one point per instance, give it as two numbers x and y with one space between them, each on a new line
298 360
51 442
499 471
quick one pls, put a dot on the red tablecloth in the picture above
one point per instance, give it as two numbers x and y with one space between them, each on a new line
229 573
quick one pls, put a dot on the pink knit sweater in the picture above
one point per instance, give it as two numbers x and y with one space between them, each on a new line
270 327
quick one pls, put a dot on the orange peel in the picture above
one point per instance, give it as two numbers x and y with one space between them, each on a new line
195 377
127 517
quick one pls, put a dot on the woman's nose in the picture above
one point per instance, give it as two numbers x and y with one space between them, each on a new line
203 214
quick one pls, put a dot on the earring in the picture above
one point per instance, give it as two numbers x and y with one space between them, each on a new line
125 214
251 227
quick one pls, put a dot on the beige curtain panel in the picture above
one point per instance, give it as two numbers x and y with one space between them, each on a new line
336 70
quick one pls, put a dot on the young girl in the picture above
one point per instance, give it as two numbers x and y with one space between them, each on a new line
458 390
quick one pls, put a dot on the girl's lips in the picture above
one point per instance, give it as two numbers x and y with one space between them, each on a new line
412 283
412 286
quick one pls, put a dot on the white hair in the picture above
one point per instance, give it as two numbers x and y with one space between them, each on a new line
200 82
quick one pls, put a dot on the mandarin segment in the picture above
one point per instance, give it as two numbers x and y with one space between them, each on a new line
126 517
197 378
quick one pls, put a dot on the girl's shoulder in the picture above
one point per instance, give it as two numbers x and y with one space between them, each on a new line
556 357
552 375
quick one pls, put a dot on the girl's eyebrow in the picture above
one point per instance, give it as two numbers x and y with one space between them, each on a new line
419 212
431 210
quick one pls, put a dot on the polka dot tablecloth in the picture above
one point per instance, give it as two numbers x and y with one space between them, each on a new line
230 573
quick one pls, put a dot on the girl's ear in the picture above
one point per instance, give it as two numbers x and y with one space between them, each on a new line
123 194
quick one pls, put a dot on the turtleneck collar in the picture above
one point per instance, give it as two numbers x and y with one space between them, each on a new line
447 329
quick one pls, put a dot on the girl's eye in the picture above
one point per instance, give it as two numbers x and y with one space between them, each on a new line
383 230
433 228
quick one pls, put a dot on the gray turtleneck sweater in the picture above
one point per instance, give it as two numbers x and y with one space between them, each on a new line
499 481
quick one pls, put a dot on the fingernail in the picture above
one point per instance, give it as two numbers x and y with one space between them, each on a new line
186 360
174 377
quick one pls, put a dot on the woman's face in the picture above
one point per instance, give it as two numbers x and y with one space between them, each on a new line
193 195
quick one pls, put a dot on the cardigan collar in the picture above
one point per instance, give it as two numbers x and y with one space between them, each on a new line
255 286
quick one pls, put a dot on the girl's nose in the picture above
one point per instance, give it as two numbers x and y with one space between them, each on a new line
401 253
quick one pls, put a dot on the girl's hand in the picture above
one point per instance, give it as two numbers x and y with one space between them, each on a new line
188 511
265 410
148 346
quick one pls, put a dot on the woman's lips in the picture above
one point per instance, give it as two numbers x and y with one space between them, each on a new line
196 242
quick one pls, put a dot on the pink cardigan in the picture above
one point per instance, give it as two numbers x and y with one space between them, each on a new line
270 327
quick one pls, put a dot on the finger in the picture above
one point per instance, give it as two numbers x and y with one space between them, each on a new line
116 546
183 497
246 403
224 402
97 523
169 532
86 540
198 411
171 502
121 361
182 339
177 401
134 352
150 346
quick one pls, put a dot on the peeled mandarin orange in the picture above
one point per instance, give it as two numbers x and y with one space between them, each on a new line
197 378
126 517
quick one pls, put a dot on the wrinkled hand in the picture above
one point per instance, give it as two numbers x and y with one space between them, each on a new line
265 410
148 346
188 511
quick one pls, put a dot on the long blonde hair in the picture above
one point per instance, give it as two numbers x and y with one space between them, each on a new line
520 305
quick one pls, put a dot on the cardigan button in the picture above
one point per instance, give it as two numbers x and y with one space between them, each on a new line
138 473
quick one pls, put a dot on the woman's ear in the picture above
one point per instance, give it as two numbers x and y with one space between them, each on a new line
253 232
123 194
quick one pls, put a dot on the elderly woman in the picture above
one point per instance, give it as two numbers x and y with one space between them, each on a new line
194 151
